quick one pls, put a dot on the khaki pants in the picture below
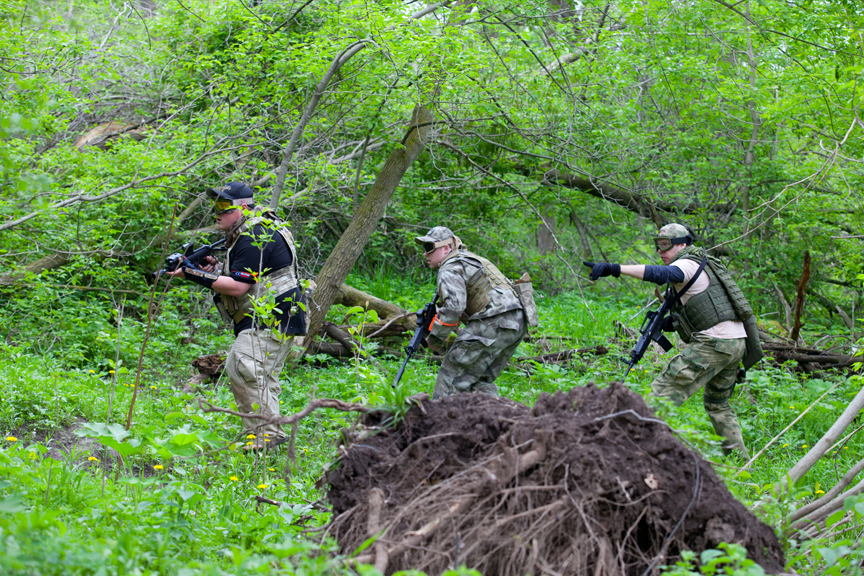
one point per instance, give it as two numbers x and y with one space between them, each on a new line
253 365
711 363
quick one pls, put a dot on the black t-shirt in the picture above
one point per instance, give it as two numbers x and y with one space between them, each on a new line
246 258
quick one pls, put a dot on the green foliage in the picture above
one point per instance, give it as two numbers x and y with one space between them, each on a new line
730 559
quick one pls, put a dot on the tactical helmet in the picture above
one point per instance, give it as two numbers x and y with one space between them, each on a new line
672 234
437 237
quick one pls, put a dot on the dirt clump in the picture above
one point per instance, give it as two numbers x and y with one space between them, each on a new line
586 482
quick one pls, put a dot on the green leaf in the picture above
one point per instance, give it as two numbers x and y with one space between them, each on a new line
834 518
13 503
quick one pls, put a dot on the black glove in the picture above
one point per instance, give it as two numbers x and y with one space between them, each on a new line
668 324
197 275
601 269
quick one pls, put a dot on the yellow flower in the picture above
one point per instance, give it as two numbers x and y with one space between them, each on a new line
11 439
92 459
157 467
271 469
262 486
804 446
32 455
91 371
791 407
250 436
820 491
110 371
784 445
234 479
248 443
266 435
153 387
845 447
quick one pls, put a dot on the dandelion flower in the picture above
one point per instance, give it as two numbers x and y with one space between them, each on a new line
804 446
271 469
158 467
845 447
91 371
791 407
92 459
280 402
820 491
110 371
234 479
262 486
11 439
250 436
248 443
785 445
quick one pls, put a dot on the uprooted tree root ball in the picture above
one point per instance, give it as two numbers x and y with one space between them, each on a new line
585 482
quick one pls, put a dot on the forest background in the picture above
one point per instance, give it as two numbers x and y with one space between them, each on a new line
542 133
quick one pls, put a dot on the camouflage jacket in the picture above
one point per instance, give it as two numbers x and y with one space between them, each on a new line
454 276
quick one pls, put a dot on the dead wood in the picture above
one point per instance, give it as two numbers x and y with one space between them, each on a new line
825 443
810 359
564 355
349 296
343 338
49 262
787 309
799 298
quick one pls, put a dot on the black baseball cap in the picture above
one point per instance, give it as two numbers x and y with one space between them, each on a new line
232 191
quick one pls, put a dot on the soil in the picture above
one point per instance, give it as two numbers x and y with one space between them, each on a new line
585 482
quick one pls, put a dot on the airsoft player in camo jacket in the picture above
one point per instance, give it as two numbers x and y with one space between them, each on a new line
472 290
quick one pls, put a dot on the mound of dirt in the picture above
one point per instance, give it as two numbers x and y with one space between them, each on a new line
585 482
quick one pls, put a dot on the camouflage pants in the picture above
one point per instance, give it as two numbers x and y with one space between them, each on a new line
253 365
712 363
479 355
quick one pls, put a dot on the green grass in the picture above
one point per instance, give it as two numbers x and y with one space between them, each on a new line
176 504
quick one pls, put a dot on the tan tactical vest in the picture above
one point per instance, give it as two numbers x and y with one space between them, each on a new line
480 288
275 283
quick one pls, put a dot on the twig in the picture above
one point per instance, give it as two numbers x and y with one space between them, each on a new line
764 448
387 325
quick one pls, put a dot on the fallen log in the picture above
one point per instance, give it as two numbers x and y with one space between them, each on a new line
564 355
809 359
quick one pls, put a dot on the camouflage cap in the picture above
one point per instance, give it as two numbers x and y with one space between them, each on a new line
673 231
435 235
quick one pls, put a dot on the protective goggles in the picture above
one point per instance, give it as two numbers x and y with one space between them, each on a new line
430 246
223 206
664 244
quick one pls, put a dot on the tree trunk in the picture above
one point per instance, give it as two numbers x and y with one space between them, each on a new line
546 231
49 262
352 242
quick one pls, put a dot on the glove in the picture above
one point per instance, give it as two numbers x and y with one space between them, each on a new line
197 275
601 269
668 324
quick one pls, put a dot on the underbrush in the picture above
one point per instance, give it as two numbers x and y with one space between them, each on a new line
176 495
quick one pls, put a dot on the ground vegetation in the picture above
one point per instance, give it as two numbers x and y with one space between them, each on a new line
542 132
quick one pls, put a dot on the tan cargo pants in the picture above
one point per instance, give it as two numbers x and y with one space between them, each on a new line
254 363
